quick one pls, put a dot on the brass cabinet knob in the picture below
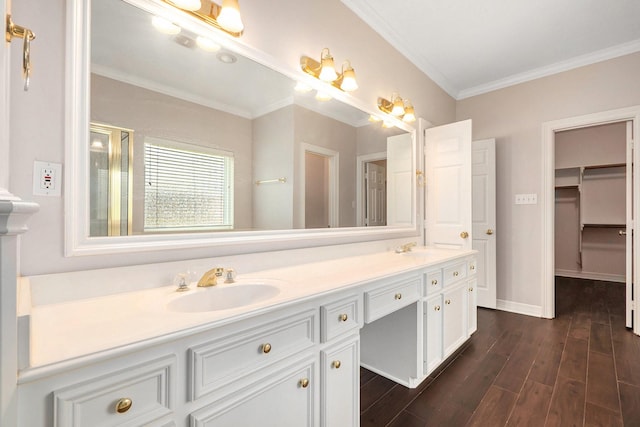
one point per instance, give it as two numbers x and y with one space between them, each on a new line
464 234
398 296
473 267
434 282
470 289
455 274
336 364
266 348
489 232
436 308
123 405
448 302
343 317
304 383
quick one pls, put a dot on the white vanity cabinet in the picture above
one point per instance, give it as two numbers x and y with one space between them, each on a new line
449 313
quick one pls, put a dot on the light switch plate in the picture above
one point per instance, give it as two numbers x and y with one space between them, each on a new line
47 178
527 199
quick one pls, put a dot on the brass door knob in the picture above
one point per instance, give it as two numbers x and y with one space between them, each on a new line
304 383
489 232
336 364
266 348
464 234
123 405
343 317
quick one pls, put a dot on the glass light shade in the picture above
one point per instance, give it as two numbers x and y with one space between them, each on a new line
187 4
229 17
165 26
374 119
323 96
207 44
398 107
409 114
349 83
328 69
387 124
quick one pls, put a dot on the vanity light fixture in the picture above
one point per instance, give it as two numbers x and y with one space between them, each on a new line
225 17
325 71
397 108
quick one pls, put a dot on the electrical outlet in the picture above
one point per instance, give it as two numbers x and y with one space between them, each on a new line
47 178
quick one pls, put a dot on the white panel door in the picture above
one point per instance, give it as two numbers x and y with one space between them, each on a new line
399 179
448 189
376 206
483 160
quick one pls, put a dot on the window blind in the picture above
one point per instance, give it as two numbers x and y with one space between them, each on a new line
187 189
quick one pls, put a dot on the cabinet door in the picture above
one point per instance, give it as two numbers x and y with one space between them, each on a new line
454 318
472 304
433 333
341 384
286 398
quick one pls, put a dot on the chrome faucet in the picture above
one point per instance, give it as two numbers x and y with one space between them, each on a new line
405 248
210 278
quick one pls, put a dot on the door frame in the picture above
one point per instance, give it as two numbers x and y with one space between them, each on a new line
334 165
360 190
548 195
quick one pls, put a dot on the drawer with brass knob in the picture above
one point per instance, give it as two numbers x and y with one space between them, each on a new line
433 281
340 317
216 364
387 299
454 273
137 395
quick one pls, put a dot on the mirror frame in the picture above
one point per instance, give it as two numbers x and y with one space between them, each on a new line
77 119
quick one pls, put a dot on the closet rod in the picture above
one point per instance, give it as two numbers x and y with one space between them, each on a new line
612 165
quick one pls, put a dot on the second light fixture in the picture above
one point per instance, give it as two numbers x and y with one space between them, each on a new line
325 70
397 107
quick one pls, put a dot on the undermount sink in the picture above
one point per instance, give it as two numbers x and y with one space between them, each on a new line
223 297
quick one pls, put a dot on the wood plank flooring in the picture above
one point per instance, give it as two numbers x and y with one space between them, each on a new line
580 369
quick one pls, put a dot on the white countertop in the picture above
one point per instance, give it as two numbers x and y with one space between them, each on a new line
62 332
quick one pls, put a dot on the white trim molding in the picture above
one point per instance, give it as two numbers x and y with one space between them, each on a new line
519 308
618 278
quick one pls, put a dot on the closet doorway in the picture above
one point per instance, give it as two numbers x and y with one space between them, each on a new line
589 199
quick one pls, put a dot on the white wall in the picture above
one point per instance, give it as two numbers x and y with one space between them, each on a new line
284 29
514 117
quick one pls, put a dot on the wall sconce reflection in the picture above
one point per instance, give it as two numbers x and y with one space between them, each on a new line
225 17
325 70
397 108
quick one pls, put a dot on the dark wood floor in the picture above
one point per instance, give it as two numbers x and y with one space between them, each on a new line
580 369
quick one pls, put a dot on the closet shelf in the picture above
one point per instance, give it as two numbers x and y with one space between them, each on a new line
611 165
604 225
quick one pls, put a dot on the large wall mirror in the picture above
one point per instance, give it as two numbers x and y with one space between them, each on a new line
182 137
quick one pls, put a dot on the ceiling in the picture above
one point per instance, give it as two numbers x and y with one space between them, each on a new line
470 47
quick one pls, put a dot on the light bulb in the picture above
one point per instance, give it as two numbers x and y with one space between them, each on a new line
165 26
387 124
374 119
349 83
328 70
187 4
229 17
409 114
398 107
207 44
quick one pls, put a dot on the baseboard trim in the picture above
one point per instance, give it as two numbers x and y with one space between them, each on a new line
620 278
519 308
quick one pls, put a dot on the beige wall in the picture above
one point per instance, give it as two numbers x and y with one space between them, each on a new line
283 29
514 116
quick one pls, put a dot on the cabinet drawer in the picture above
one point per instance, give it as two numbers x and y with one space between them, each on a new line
340 317
454 273
218 363
433 282
143 393
380 302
